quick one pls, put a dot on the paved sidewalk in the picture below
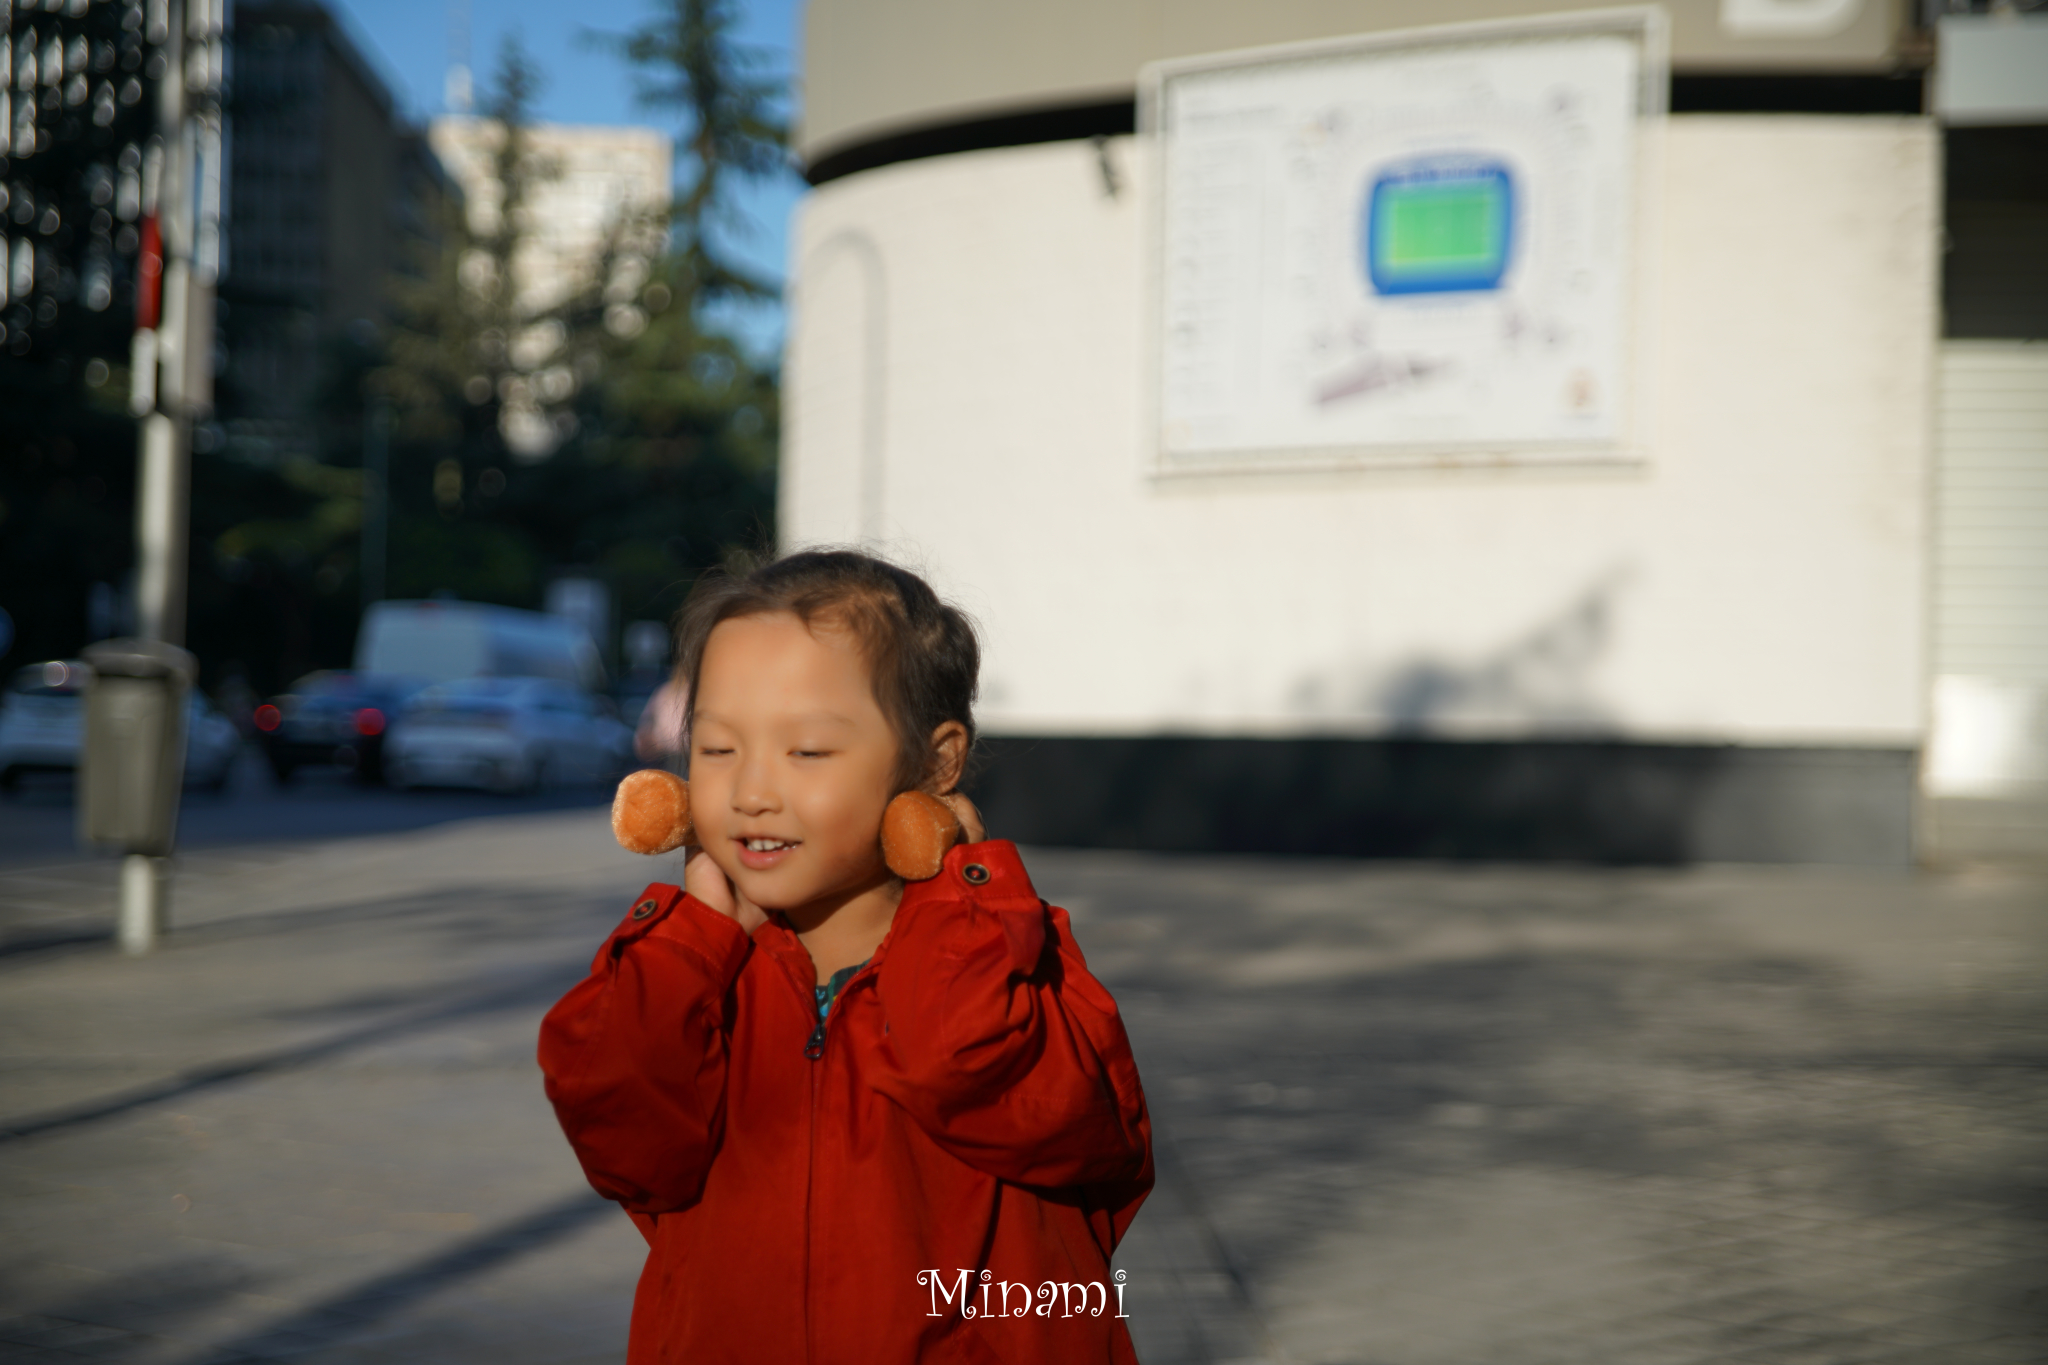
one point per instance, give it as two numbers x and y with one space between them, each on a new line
1407 1116
1460 1117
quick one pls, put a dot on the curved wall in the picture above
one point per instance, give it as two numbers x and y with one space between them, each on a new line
874 69
964 387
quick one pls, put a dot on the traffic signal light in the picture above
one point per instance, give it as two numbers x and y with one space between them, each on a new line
82 160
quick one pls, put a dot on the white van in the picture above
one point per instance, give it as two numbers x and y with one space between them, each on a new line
443 641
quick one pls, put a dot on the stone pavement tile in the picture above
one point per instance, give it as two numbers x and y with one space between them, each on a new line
2016 1351
1876 1312
1649 1353
1737 1337
1935 1303
283 1344
511 1343
26 1329
1968 1256
80 1338
352 1353
1745 1307
1695 1341
1962 1354
1928 1331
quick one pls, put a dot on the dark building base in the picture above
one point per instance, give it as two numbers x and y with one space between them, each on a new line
1579 801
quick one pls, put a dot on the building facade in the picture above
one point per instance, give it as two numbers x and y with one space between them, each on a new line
595 202
594 179
330 193
1720 647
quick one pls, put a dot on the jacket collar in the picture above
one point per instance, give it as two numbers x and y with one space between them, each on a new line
989 874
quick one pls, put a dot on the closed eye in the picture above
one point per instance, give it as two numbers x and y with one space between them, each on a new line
815 753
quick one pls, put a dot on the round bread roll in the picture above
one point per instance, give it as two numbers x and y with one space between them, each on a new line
651 812
917 829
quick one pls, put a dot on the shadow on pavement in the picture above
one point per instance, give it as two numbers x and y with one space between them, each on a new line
53 939
1425 1116
386 1296
175 1304
534 988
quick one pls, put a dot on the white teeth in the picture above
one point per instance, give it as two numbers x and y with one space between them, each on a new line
768 845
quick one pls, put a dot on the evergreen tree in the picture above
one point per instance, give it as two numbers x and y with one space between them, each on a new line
612 432
689 65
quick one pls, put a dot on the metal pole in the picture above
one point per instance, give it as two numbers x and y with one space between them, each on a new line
143 884
160 528
165 436
178 383
376 500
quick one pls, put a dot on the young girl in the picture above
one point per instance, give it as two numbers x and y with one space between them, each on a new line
857 1120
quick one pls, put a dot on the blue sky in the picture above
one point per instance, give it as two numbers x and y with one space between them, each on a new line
409 43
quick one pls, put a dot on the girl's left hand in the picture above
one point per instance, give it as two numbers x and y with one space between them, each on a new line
971 828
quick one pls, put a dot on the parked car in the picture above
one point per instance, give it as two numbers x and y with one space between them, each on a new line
439 641
332 717
42 727
506 734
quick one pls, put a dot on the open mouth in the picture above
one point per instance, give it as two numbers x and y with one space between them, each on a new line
760 852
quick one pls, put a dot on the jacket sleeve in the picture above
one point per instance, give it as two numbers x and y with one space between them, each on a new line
635 1055
999 1043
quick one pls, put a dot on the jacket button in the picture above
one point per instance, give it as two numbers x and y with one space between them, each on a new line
643 909
975 874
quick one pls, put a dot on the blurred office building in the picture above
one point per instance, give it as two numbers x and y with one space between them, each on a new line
334 195
594 202
330 193
1619 435
588 186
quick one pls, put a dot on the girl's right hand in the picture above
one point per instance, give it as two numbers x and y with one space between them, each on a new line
703 879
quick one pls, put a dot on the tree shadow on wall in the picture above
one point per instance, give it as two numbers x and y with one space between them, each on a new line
1541 681
1578 792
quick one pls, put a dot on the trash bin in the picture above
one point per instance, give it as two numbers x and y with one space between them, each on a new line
132 766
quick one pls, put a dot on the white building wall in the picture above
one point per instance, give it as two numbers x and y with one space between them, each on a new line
965 389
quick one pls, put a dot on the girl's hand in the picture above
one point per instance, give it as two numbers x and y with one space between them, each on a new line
971 829
703 879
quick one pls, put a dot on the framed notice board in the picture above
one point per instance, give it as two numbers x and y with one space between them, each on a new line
1406 246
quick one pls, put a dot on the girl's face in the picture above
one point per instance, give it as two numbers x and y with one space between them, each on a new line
791 763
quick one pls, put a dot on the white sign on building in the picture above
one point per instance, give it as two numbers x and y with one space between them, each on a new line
1415 245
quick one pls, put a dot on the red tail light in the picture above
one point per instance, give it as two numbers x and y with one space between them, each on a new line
268 717
369 721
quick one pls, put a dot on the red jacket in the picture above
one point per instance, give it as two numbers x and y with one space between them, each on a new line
939 1184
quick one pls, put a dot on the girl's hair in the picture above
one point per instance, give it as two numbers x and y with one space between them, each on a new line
921 653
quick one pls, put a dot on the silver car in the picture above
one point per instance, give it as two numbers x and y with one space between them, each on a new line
42 723
506 734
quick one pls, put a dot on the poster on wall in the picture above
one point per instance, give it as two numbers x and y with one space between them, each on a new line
1409 245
